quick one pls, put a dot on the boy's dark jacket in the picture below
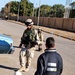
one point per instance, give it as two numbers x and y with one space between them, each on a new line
49 63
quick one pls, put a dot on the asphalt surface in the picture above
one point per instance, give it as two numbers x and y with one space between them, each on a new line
10 63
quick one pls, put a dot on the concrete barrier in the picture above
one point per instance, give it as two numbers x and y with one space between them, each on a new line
51 22
41 20
62 23
67 23
59 23
73 27
45 21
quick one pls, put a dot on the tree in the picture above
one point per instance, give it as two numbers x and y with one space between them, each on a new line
14 7
54 11
6 9
73 5
26 7
72 12
57 10
44 10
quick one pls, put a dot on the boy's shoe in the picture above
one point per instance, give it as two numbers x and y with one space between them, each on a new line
26 69
22 69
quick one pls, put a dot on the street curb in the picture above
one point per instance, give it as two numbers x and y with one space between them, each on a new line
53 32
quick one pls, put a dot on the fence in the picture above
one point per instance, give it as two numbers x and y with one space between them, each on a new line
60 23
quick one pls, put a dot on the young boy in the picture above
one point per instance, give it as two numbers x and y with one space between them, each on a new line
50 62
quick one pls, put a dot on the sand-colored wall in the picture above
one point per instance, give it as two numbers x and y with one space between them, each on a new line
62 23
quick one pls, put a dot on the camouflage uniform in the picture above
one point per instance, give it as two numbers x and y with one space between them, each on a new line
27 50
27 54
40 42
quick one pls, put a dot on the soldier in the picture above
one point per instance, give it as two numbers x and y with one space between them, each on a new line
50 62
40 41
28 42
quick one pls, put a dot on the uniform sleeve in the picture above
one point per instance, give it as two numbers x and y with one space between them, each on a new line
37 37
40 67
23 33
60 64
42 36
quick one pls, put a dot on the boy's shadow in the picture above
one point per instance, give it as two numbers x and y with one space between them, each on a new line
10 68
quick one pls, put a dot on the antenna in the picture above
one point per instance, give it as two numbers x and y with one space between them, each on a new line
67 8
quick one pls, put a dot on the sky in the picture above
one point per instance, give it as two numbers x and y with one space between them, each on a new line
37 2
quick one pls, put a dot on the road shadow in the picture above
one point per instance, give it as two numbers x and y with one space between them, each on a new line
37 50
16 46
10 68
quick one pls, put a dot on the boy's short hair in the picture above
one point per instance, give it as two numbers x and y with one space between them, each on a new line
50 42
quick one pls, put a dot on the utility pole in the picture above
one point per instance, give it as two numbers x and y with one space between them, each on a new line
33 9
18 11
38 13
67 8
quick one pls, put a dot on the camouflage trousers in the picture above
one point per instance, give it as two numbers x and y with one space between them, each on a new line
26 56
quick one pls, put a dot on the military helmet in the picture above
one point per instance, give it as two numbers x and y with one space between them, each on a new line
29 22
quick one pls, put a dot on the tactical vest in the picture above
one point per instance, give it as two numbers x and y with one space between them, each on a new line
30 35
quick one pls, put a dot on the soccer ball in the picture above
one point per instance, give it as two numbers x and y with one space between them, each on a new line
17 73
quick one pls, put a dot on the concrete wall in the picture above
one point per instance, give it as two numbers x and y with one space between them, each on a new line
51 22
61 23
73 27
67 24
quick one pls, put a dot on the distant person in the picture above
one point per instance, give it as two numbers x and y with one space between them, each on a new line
41 39
50 62
6 17
28 42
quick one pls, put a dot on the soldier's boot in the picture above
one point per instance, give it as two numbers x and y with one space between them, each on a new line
22 69
26 69
27 65
40 47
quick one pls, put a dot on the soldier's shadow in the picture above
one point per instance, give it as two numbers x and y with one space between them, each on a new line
10 68
16 46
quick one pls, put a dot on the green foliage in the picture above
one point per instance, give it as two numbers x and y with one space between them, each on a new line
72 12
14 7
2 11
44 9
54 11
72 4
25 8
57 10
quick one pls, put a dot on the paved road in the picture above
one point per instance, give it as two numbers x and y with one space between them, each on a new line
9 63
